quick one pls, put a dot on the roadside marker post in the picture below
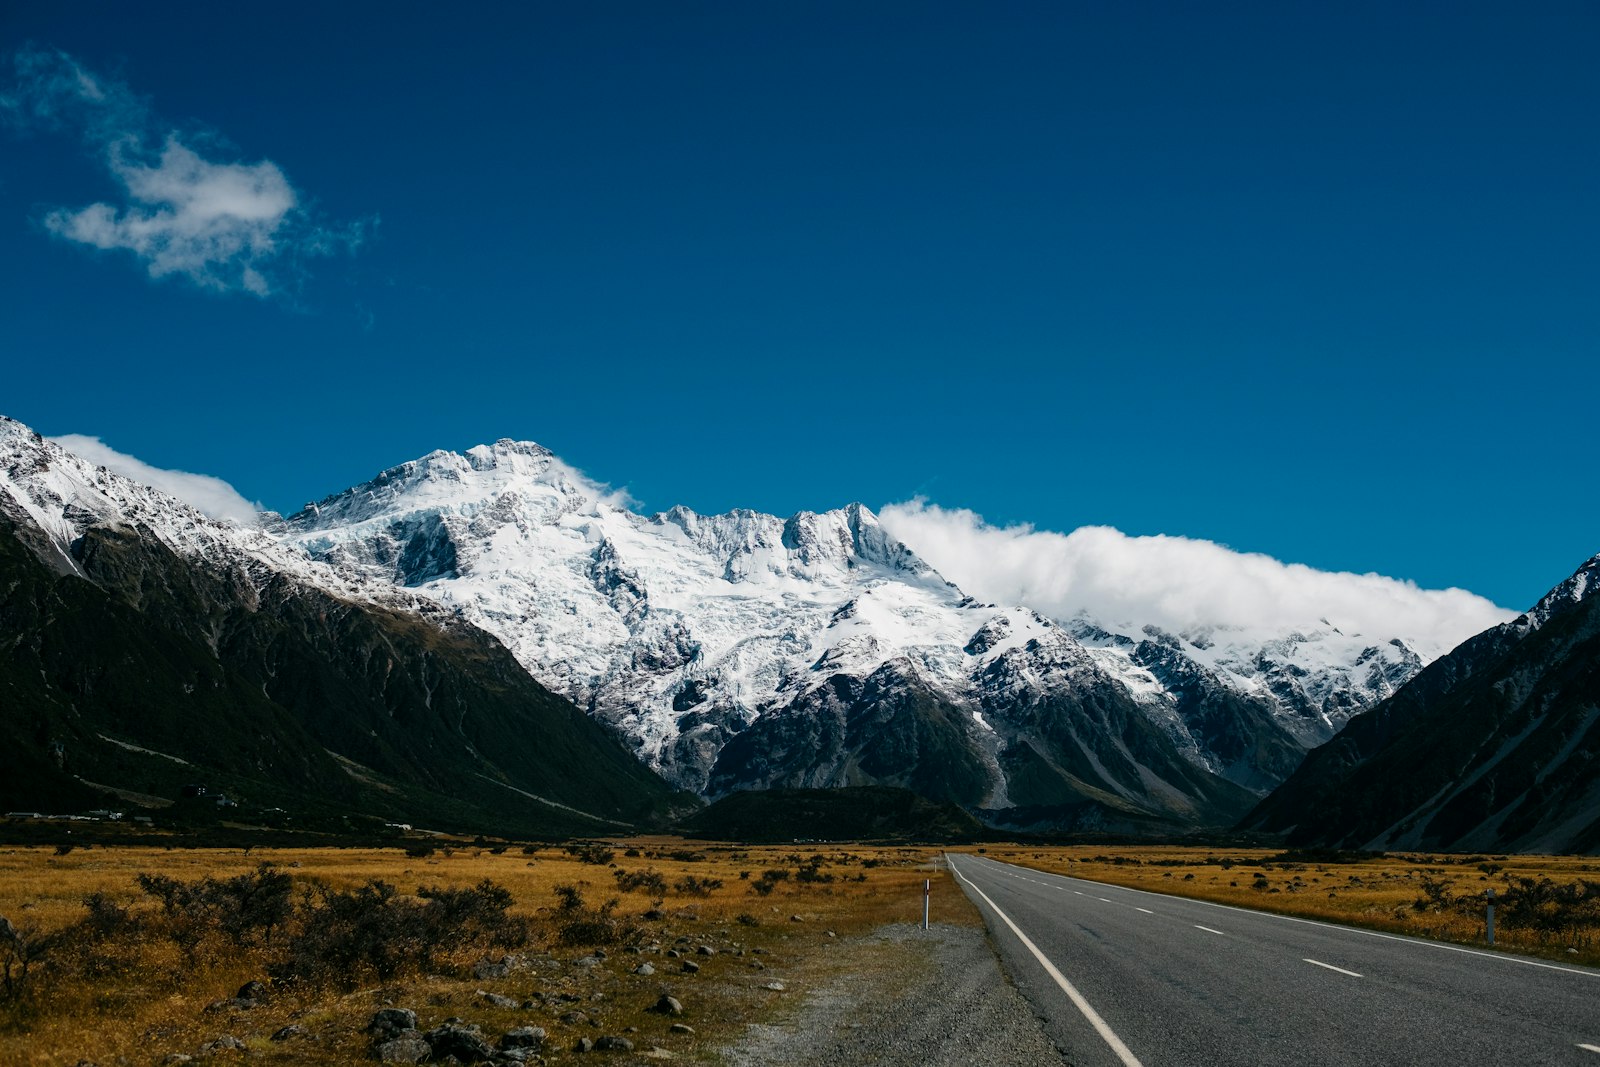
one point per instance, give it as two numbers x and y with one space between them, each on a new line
1489 929
927 892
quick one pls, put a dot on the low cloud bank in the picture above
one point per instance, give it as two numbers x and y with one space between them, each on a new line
1178 583
212 497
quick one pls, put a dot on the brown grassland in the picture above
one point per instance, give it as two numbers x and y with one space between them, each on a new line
130 981
141 992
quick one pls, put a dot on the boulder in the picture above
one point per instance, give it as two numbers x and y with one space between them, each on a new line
523 1037
464 1041
386 1022
498 1000
408 1047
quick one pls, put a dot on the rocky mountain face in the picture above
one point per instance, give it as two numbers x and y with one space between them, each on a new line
147 647
748 650
1493 747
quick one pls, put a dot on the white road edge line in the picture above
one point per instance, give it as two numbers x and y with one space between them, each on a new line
1590 1048
1208 930
1331 967
1128 1058
1418 942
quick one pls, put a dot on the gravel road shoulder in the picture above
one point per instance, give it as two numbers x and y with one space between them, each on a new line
905 996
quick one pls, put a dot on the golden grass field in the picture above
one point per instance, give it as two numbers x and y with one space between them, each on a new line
156 1006
151 1001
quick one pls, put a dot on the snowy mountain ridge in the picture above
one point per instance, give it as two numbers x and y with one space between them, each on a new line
746 650
681 630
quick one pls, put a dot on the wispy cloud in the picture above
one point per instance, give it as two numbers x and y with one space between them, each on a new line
224 225
1178 583
210 496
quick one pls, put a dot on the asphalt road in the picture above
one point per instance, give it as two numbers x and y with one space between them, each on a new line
1144 978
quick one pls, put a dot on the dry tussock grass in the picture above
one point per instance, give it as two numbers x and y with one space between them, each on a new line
150 996
1420 894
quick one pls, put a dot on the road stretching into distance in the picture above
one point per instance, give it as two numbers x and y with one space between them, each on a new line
1126 977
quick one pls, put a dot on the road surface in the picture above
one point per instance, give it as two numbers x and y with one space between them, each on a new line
1126 977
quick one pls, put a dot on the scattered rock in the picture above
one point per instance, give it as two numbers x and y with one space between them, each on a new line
587 961
222 1043
523 1037
680 1028
776 987
830 933
673 953
408 1047
613 1043
284 1033
690 967
796 919
386 1022
498 1000
464 1041
484 969
706 950
573 1018
583 1044
668 1005
656 1052
252 990
644 969
172 1059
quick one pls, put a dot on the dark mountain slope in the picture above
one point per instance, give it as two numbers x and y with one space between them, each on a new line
1495 746
153 670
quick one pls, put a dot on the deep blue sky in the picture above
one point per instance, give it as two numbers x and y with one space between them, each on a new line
1320 281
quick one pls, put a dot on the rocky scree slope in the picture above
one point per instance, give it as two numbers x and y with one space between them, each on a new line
147 647
747 650
1496 746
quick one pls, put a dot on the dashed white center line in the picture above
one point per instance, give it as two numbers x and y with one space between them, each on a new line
1103 900
1331 967
1590 1048
1147 911
1208 930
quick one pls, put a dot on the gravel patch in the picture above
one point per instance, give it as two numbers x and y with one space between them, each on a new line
907 996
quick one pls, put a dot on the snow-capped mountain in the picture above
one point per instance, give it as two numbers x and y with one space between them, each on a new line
147 646
747 650
686 631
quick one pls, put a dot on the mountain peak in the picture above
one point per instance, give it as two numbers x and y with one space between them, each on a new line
506 452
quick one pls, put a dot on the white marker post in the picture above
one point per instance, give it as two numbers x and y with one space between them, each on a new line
1490 922
927 892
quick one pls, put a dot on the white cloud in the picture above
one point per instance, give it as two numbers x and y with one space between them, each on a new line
225 226
1178 583
211 496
